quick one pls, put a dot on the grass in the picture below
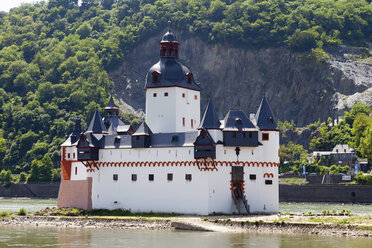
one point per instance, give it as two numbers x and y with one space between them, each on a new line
22 212
293 181
107 213
4 214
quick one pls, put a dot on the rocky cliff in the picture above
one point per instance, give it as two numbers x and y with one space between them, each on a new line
298 87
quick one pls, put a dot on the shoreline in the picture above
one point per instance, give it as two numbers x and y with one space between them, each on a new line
251 224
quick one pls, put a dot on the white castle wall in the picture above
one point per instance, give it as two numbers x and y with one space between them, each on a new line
164 114
207 192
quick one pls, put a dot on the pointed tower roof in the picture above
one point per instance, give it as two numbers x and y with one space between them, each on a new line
264 118
210 118
111 105
96 125
143 129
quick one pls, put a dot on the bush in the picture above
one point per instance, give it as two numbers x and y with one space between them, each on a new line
22 177
363 179
22 212
4 213
6 178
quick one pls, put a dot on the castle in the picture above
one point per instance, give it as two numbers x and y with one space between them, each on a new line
173 162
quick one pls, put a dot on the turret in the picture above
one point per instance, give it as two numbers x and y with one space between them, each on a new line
172 96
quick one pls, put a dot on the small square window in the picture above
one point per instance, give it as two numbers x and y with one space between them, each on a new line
154 94
268 181
165 93
115 177
151 177
265 136
134 177
183 95
188 177
252 176
196 97
170 177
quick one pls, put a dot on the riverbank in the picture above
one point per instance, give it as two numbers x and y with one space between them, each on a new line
351 226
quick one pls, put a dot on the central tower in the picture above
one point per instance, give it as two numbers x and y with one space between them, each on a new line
172 96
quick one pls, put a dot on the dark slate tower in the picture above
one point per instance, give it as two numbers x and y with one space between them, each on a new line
111 119
169 71
210 118
96 125
264 118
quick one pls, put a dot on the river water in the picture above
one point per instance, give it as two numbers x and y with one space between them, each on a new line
20 236
85 237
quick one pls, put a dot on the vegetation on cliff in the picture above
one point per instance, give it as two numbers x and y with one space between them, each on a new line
54 56
354 129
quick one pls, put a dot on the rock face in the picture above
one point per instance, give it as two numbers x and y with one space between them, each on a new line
297 88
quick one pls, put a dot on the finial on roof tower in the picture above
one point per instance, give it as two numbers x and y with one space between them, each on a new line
169 26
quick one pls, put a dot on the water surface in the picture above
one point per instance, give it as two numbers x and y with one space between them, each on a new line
86 237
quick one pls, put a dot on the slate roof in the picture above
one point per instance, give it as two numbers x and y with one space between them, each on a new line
169 37
157 140
116 141
172 73
96 125
143 129
210 118
173 139
264 118
111 104
237 120
112 120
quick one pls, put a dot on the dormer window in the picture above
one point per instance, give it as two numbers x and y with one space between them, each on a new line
155 77
189 76
238 120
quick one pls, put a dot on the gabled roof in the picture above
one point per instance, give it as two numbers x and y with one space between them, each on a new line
204 138
264 118
96 125
210 118
143 129
111 105
237 120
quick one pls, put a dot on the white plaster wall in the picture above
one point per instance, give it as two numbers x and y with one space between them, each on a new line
143 195
187 107
161 110
71 153
81 171
164 113
209 191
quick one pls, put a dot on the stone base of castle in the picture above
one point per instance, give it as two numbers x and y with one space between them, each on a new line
75 194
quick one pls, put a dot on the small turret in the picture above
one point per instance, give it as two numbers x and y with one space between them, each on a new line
264 118
210 118
96 125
